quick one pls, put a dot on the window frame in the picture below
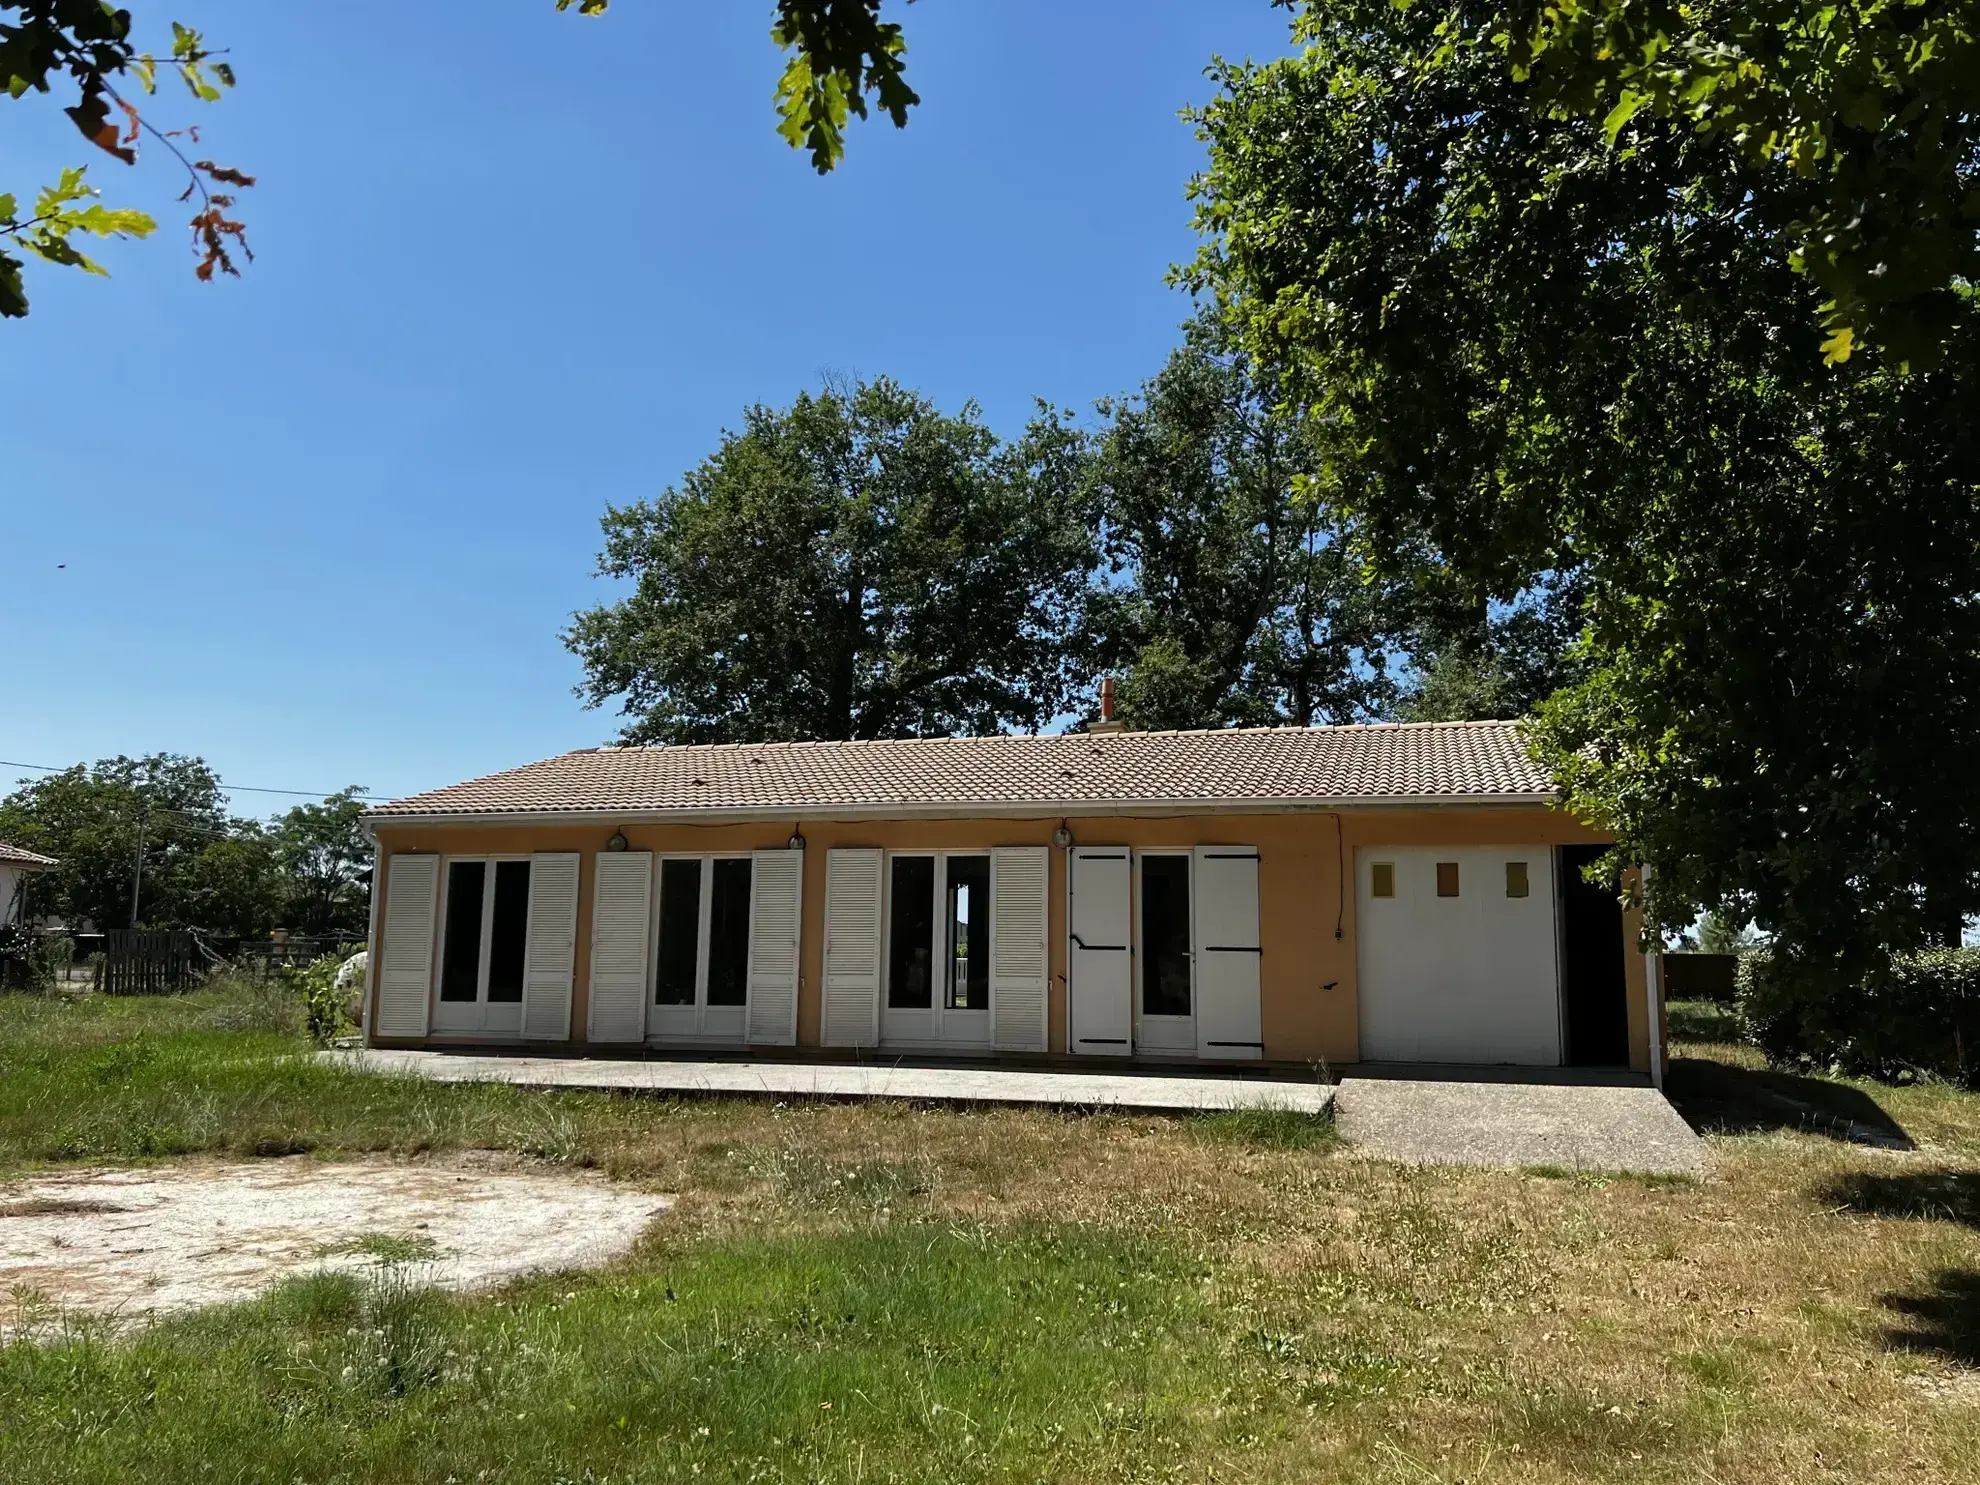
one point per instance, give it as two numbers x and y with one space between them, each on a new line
1525 878
1166 1019
484 944
704 918
974 1020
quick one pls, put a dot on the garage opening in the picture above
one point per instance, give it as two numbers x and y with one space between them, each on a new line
1594 993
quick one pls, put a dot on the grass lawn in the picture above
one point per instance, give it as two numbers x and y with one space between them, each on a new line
873 1293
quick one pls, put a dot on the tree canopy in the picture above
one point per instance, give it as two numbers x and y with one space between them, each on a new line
858 564
1872 105
1228 596
1531 351
154 834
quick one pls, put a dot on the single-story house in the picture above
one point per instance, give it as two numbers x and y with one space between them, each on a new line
16 866
1291 895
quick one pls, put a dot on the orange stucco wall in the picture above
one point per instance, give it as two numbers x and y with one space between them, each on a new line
1306 912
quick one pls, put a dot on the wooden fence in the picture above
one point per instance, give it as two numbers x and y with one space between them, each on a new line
148 962
1700 976
267 957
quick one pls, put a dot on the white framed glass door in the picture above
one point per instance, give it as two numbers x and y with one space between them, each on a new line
1165 961
701 949
484 937
936 990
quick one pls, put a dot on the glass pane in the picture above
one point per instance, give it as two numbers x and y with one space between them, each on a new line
1165 935
510 931
728 933
967 987
680 932
1382 882
1447 879
910 943
460 953
1516 879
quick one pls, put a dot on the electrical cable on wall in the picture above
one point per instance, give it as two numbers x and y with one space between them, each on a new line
1340 880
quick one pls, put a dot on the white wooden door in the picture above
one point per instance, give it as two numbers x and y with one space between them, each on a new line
550 952
776 911
621 916
1458 970
1020 963
1099 959
405 948
851 1012
1229 1021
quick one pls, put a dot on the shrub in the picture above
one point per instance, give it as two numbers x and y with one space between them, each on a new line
1921 1015
322 997
31 960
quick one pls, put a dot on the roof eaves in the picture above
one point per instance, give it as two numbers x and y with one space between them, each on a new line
1016 809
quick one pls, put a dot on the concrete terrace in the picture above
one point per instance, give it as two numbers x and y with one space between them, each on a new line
1145 1093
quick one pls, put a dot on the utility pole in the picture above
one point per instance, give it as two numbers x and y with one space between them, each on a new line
137 876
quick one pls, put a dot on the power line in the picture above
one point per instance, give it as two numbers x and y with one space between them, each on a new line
230 788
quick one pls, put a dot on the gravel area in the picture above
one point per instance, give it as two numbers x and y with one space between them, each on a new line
1518 1124
127 1242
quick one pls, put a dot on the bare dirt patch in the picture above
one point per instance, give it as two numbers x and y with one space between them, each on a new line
128 1242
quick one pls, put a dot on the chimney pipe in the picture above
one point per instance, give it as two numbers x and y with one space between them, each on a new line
1108 721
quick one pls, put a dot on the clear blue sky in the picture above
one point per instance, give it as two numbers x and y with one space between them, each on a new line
323 525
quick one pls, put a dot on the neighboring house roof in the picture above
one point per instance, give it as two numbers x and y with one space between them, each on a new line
26 860
1272 768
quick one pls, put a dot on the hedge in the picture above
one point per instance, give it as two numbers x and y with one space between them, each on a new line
1921 1016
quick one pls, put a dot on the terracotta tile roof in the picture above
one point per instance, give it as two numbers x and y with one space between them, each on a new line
1275 767
34 860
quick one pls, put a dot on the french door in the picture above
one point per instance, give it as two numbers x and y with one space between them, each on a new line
1184 980
701 956
1165 999
937 979
483 946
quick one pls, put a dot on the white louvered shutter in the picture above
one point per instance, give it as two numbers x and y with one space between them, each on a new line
550 946
1020 966
852 948
405 969
776 907
1099 963
621 912
1225 923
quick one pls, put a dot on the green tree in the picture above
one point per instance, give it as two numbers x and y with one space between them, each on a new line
858 564
1874 105
120 824
324 857
1467 667
1721 935
1228 597
233 887
1531 352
